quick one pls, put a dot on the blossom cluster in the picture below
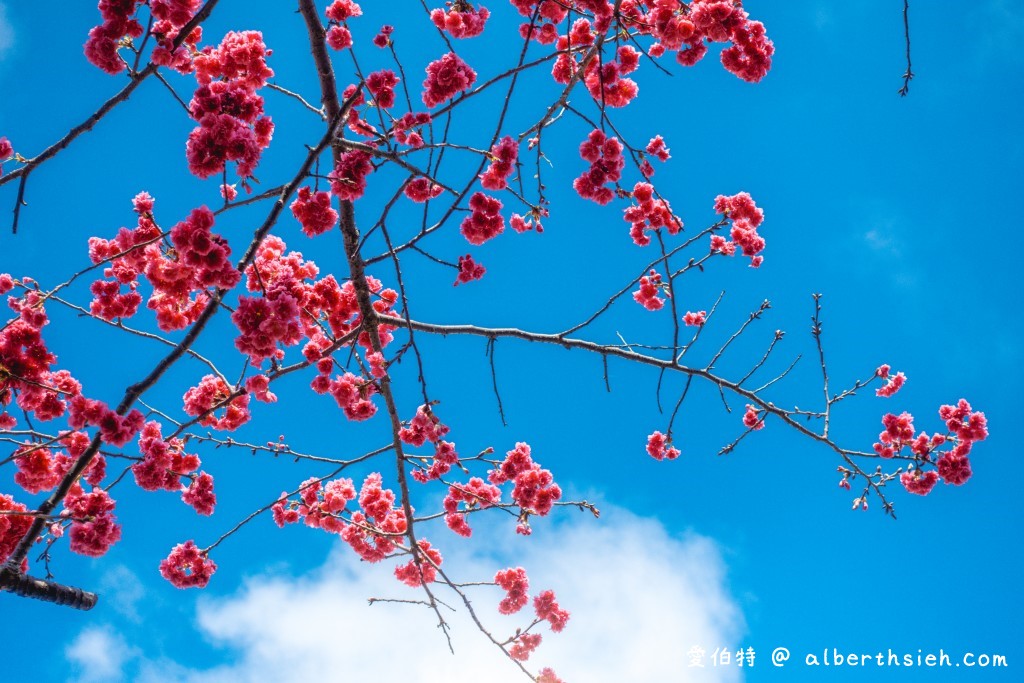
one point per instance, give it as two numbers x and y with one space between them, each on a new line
461 22
339 37
964 426
187 566
313 211
745 217
373 531
446 78
686 31
484 221
179 277
534 490
476 494
504 155
659 447
650 287
232 127
516 584
649 213
425 427
606 164
893 382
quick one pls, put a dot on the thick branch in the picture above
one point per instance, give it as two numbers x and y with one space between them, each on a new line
48 591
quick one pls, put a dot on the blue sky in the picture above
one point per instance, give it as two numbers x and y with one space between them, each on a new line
895 209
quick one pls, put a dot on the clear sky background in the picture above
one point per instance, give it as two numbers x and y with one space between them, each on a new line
900 211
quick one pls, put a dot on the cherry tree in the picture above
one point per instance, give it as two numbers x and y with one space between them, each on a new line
461 150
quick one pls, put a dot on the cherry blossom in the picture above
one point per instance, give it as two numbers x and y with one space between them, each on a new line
187 566
659 448
446 77
461 22
650 288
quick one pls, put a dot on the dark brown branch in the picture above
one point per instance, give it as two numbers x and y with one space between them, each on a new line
13 581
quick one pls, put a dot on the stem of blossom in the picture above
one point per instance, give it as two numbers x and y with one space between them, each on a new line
704 373
908 74
816 332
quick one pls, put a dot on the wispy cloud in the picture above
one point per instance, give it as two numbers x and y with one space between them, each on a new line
123 590
882 241
6 32
640 599
99 654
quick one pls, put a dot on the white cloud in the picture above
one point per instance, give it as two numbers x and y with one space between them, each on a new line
639 597
6 32
98 654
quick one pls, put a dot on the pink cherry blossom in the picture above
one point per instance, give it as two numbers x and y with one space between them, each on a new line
187 566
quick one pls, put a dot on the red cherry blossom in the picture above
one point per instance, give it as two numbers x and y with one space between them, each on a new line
6 151
894 383
383 37
656 147
659 448
516 584
348 179
424 426
12 527
462 21
177 12
534 490
429 559
36 469
422 189
752 420
649 213
259 387
547 608
446 77
352 394
212 394
918 482
485 222
241 56
187 566
547 675
475 494
343 10
520 224
469 270
382 84
524 645
606 164
199 494
339 38
650 288
164 462
93 526
954 469
504 153
695 319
